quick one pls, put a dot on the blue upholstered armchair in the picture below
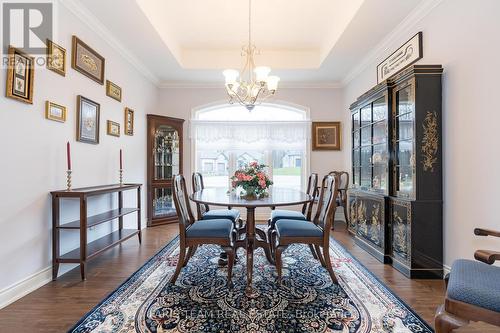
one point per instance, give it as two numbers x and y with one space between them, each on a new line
473 291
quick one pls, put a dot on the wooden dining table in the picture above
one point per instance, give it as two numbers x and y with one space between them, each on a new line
277 197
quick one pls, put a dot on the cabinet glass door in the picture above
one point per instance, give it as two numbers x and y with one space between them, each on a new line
163 202
404 121
166 153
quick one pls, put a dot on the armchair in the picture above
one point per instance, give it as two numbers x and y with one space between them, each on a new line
473 291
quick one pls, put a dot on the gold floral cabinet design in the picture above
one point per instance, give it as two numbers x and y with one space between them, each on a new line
397 162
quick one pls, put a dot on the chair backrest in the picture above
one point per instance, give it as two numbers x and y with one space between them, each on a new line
343 179
197 180
182 206
312 188
327 203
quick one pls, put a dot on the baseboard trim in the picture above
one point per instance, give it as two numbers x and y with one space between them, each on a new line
22 288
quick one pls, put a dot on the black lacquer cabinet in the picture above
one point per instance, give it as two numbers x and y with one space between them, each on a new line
396 197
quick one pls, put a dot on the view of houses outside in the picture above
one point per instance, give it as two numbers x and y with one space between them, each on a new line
217 166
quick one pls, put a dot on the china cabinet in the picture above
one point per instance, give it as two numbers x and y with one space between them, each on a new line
395 202
164 149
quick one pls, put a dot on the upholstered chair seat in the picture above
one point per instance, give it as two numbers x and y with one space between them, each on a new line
214 214
476 283
216 228
297 228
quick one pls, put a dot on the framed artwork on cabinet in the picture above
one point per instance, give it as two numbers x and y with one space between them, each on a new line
406 55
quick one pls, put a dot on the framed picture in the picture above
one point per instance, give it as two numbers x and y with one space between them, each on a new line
129 121
56 58
20 76
409 53
326 135
87 120
113 128
113 91
55 112
87 61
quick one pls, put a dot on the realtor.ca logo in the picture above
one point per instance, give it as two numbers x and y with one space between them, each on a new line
27 25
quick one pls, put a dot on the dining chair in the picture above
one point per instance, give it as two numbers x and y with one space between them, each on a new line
204 211
343 177
194 233
472 291
315 233
303 215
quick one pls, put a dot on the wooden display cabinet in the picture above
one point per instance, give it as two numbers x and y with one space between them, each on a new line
164 160
397 166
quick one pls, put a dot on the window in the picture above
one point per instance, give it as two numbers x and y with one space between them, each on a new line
226 137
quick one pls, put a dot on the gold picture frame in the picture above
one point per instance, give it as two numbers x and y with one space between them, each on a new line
326 135
113 128
129 122
87 61
20 76
55 112
56 58
114 91
87 120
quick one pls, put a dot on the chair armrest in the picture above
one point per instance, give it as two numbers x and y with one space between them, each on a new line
488 257
486 232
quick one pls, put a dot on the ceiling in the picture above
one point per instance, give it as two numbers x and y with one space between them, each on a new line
191 41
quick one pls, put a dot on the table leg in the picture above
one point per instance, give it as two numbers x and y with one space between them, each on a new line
250 242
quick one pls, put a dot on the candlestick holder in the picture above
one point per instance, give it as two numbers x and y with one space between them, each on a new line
121 177
68 179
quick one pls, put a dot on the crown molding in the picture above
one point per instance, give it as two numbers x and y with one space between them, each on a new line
399 33
95 25
220 85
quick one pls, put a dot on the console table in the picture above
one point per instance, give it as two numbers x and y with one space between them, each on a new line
86 250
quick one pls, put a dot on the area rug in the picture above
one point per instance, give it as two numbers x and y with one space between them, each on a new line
307 300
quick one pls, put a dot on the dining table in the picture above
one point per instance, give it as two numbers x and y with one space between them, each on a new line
253 237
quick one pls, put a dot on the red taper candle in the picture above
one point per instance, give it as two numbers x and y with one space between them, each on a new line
121 160
68 155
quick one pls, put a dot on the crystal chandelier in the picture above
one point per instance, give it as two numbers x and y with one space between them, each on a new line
253 84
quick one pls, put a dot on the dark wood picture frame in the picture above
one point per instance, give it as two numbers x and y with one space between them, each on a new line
420 56
14 74
114 91
99 77
109 128
79 137
61 70
129 128
323 126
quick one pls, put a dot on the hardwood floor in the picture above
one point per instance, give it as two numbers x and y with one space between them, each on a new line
58 305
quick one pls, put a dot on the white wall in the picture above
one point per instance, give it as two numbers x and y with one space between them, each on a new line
325 104
33 157
463 36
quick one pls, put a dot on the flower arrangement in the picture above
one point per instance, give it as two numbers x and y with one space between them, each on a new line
252 178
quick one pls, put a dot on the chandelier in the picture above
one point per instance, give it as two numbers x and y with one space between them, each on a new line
253 84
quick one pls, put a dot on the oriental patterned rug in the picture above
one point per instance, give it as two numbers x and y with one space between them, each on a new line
307 300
